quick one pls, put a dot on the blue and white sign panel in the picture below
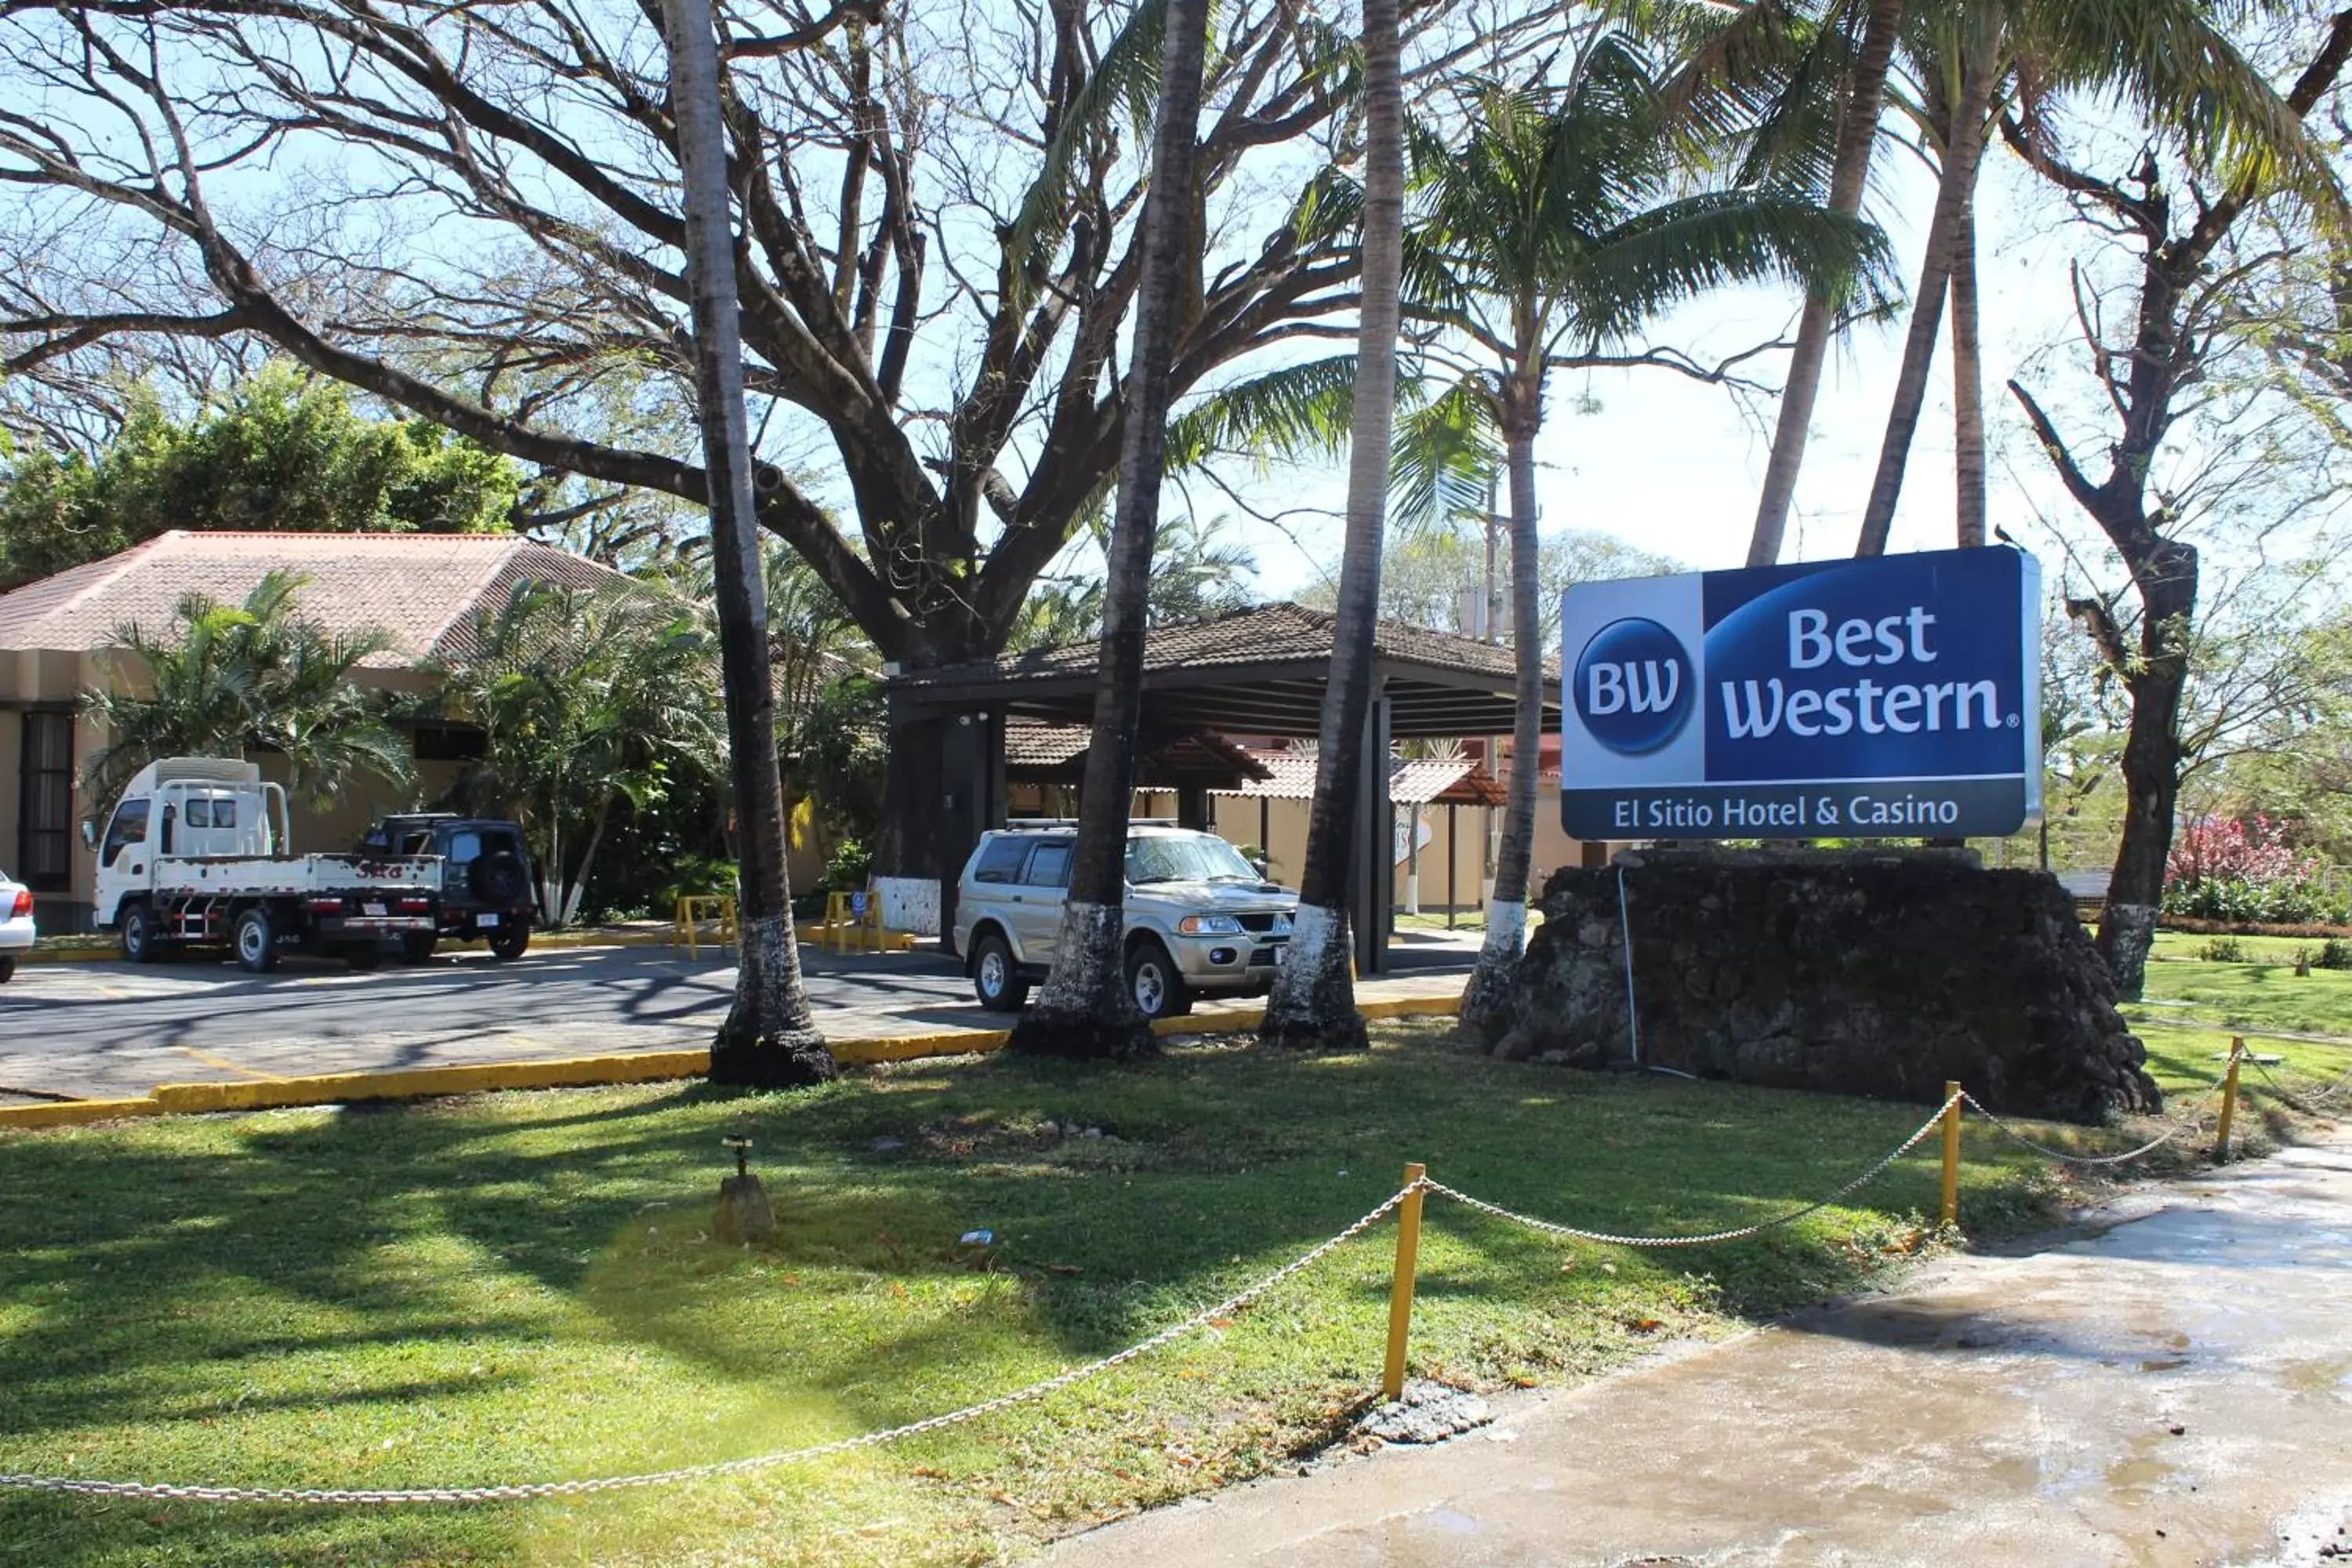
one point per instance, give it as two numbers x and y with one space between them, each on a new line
1890 698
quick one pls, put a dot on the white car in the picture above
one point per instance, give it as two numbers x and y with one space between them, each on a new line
15 923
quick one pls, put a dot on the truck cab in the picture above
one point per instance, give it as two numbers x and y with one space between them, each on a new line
196 852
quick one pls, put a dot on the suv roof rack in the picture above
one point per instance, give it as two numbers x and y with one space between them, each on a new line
1040 821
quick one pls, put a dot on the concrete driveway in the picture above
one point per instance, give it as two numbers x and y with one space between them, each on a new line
92 1031
2176 1389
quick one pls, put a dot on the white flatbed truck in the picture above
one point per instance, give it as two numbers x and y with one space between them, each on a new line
194 855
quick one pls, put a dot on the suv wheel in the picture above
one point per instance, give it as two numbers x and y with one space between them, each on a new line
1155 983
995 979
256 942
508 942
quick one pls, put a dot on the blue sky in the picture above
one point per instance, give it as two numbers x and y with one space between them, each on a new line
1675 465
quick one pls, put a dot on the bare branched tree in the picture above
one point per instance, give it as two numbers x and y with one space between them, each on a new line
473 212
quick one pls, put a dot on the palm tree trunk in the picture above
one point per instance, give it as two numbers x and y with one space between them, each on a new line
770 1038
1857 136
1086 1009
1967 383
1963 153
579 887
1486 1002
1314 1000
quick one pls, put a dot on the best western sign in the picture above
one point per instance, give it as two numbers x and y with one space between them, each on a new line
1894 697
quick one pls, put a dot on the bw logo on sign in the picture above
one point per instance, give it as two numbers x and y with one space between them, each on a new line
1634 686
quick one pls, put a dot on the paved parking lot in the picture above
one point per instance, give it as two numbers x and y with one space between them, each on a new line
88 1031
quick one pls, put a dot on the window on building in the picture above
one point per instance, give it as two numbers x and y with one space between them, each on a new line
45 803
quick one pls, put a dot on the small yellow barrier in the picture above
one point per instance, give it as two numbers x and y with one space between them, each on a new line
693 909
853 921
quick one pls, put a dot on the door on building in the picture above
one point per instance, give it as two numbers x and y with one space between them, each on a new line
45 803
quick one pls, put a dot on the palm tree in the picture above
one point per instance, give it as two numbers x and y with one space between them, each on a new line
1314 1000
769 1038
585 701
1087 1008
1863 100
1555 233
1982 67
234 680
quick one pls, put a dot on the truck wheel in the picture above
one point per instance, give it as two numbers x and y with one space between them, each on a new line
995 980
8 970
508 942
256 942
1155 983
139 940
418 948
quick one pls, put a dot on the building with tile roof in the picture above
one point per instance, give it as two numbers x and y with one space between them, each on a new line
426 591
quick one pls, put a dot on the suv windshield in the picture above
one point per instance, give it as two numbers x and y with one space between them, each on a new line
1185 858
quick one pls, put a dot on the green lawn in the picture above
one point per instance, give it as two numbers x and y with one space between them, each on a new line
517 1287
2264 994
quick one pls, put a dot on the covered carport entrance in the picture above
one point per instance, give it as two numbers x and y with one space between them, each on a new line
1256 673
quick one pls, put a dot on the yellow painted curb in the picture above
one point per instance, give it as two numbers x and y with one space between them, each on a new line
75 1112
908 1048
583 1072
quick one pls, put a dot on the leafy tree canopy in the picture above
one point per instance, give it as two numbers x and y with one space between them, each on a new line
279 453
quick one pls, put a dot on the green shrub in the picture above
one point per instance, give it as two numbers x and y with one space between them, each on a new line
2223 950
2334 953
852 863
2297 901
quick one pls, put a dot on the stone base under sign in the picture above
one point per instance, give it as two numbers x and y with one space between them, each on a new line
1879 972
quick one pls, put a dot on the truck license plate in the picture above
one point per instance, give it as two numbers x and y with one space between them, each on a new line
486 922
372 909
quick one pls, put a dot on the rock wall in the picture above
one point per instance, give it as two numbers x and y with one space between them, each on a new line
1859 972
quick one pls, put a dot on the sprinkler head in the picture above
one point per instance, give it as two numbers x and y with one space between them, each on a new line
741 1143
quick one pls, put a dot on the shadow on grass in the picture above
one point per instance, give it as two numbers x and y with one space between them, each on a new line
144 1265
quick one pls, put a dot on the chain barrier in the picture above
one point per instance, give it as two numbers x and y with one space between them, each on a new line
2193 1121
1711 1237
524 1492
2310 1104
1239 1300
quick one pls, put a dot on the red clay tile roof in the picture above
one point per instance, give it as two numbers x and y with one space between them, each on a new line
424 591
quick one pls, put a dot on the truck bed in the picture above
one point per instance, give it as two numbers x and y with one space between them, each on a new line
235 875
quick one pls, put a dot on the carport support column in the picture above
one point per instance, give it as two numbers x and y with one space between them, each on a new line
1192 807
1371 911
971 797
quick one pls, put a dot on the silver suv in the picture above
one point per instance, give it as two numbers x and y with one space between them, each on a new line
1199 918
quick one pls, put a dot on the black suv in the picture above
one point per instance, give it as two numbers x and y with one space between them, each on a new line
484 878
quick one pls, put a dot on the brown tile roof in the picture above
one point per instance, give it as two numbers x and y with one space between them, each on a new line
1280 633
1037 748
1291 776
426 591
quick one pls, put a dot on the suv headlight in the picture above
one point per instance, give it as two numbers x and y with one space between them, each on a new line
1210 925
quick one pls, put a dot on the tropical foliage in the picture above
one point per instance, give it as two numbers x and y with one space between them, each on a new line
588 702
230 681
2234 868
277 453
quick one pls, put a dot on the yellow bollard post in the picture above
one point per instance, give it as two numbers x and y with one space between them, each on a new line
2228 1102
1951 1154
1401 1287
